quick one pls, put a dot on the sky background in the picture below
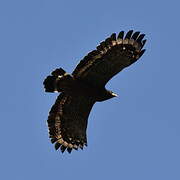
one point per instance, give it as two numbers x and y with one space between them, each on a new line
133 137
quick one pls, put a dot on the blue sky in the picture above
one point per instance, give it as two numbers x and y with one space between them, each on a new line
135 136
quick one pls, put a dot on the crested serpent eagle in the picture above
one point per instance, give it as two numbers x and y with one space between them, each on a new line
68 117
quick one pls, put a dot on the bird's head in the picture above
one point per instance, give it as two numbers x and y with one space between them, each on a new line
112 94
105 95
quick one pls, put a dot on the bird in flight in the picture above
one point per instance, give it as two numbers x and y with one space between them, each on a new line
79 91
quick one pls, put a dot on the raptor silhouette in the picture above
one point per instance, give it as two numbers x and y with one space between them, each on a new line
68 117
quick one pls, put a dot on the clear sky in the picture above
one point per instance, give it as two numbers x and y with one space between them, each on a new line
133 137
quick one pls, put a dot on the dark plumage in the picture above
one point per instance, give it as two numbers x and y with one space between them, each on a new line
67 120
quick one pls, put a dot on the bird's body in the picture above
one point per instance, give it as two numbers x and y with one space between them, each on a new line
68 117
80 88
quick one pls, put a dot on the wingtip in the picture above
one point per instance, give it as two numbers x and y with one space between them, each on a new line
129 34
69 150
113 36
57 146
135 35
142 52
140 38
63 148
121 35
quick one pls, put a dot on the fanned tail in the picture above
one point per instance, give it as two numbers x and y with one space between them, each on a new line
58 81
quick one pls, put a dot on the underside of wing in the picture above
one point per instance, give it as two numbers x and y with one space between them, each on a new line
67 121
111 56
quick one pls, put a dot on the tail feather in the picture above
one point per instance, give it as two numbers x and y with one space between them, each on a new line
59 81
58 72
50 84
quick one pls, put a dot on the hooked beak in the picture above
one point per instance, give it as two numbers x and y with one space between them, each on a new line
115 95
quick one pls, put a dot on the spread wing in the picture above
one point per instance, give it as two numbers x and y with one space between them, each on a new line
67 121
110 57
